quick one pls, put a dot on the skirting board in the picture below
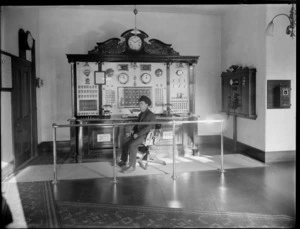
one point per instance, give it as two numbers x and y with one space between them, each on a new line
7 169
263 156
46 147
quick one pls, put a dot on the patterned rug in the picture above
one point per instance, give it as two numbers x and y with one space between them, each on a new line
41 210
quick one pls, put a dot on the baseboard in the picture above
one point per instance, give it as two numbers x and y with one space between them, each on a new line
263 156
7 170
209 139
274 156
47 147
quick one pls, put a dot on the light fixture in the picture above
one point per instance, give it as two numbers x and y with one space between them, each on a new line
135 30
291 28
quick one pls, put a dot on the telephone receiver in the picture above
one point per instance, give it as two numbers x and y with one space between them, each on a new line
106 110
167 112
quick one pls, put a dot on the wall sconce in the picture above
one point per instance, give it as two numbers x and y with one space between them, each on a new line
291 29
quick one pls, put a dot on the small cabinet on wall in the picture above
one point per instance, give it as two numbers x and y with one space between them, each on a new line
239 93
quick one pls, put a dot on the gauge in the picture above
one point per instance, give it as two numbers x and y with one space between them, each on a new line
123 78
179 72
158 72
109 72
146 78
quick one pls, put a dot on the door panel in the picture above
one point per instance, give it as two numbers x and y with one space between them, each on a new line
21 104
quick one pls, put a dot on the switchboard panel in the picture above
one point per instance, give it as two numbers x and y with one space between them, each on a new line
86 91
179 88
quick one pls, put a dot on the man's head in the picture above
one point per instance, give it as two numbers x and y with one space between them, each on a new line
144 102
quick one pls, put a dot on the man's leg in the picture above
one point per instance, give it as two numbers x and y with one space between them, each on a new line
133 149
124 153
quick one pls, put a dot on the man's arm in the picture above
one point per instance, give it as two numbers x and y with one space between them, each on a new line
135 128
144 129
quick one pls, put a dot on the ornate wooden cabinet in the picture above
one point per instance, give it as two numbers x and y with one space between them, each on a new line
108 81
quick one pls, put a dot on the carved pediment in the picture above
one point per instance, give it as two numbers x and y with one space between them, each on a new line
114 46
157 47
111 46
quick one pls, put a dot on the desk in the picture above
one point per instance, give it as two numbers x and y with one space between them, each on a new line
93 142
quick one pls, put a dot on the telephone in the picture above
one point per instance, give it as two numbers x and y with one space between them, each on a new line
282 96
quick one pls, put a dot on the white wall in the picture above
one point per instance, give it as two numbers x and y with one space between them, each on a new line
6 128
243 43
71 30
281 64
236 38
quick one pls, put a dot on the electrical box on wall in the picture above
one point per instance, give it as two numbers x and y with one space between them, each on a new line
239 92
279 94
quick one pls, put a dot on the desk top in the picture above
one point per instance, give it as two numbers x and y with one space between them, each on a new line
134 118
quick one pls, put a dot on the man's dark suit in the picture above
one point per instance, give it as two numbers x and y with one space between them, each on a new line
130 145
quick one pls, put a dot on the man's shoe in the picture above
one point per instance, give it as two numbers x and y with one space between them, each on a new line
129 170
121 163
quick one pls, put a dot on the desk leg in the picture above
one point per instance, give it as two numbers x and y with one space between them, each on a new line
120 139
80 145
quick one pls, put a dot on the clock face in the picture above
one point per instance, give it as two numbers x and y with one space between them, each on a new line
146 78
123 78
135 43
29 40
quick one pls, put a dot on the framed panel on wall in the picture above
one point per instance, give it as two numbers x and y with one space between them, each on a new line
6 72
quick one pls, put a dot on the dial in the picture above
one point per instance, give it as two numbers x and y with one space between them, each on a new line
109 72
146 78
179 72
135 43
123 78
158 72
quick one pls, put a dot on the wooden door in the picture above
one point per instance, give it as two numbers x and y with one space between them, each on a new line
22 102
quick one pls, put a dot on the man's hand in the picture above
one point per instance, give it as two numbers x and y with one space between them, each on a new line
135 136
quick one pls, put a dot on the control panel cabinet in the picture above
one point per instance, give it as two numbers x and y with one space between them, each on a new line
108 82
239 93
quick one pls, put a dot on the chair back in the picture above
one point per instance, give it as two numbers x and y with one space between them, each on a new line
153 136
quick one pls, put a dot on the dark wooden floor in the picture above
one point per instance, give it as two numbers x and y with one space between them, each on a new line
261 190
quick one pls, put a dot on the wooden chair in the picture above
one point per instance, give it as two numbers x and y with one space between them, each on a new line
145 149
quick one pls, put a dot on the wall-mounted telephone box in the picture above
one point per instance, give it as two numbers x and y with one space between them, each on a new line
279 94
239 93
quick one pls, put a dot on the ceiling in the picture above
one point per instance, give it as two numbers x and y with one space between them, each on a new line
214 9
190 9
185 9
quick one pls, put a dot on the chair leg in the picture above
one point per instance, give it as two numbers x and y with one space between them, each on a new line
147 161
140 161
155 159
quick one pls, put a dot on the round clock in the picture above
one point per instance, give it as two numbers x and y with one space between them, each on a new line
135 43
123 78
28 40
146 78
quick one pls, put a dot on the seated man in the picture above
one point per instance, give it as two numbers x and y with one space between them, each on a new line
137 135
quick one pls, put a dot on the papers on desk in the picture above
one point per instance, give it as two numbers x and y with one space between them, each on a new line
129 116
